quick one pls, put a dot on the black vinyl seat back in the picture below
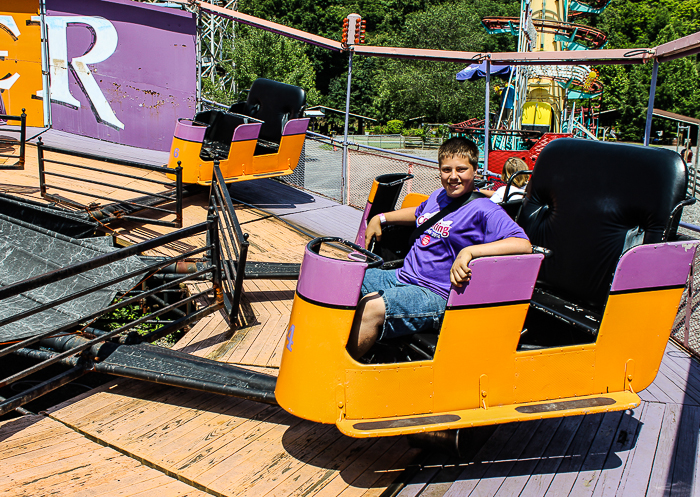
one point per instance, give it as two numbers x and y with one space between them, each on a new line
274 103
590 201
217 138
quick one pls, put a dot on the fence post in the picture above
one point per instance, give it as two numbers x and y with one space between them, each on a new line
214 251
42 176
689 306
344 186
178 194
22 137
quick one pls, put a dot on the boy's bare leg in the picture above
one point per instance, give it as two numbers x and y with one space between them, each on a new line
367 324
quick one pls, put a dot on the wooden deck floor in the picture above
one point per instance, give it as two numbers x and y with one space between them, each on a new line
130 436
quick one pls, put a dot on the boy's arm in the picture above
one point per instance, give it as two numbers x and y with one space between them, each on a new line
461 273
406 217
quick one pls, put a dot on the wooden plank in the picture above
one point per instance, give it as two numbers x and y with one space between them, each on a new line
569 467
620 453
432 465
687 447
638 468
584 482
470 476
227 453
497 471
271 464
374 477
555 453
173 428
520 473
339 467
209 427
379 487
150 423
664 458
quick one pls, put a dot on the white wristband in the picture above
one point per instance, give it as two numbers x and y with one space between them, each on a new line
382 219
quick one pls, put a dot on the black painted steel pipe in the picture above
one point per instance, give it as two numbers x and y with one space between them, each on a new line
42 388
250 393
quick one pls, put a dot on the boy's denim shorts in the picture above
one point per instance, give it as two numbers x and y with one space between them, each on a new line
409 308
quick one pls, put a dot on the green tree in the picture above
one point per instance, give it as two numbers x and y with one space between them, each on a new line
636 23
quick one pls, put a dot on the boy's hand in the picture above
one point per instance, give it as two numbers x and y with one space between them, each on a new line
460 272
374 229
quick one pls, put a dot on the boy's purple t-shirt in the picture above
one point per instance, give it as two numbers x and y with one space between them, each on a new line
429 261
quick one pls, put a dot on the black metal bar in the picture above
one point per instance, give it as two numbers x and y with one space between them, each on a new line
166 211
240 274
122 162
42 355
111 185
90 343
42 388
256 394
22 138
180 323
214 251
115 173
170 224
178 195
100 286
42 177
103 260
226 216
229 203
77 322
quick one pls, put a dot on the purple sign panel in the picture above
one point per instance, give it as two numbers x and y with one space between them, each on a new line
121 71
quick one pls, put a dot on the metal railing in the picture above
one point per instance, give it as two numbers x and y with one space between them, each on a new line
22 141
120 208
82 351
233 243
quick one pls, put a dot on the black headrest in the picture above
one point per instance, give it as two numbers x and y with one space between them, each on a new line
589 201
275 103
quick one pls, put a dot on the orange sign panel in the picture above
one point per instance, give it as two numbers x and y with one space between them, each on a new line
20 60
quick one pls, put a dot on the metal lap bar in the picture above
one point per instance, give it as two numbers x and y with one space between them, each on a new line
22 131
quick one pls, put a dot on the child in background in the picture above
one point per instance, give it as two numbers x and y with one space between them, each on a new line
517 188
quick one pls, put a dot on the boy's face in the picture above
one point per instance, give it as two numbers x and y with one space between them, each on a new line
457 176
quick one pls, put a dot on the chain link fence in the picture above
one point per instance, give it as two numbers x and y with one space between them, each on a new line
320 169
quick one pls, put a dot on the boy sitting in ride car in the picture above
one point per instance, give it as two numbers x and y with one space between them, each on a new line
413 298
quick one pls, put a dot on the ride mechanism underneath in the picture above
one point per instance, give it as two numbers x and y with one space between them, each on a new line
541 103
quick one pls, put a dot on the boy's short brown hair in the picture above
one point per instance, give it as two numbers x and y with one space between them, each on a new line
459 146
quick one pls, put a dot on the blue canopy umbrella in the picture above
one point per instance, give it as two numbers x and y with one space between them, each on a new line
476 71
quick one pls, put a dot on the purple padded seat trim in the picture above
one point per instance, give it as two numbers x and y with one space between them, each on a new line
246 132
654 265
185 130
296 127
360 238
505 278
330 281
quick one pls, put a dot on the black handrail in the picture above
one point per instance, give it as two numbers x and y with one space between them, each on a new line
136 204
19 166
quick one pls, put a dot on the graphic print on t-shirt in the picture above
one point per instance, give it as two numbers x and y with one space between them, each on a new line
441 229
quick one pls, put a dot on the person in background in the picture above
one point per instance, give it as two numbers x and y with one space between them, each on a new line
517 188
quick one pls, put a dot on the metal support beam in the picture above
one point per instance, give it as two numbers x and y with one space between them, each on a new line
650 108
487 120
344 182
